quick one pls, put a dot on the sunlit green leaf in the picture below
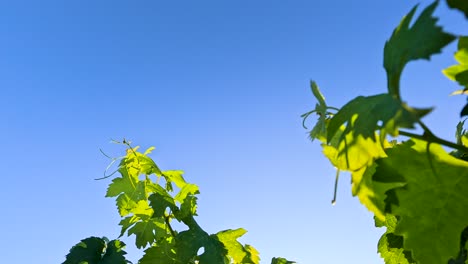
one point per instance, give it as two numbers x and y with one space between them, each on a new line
390 246
370 192
459 72
188 189
236 250
432 205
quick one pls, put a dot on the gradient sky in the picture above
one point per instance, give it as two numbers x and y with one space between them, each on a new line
218 88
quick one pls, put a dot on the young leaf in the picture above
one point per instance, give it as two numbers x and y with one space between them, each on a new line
459 72
236 251
423 39
321 109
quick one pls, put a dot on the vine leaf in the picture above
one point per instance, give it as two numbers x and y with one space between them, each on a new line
459 72
95 250
372 192
236 251
390 246
281 261
363 114
461 5
423 39
461 135
351 132
162 253
147 230
432 205
319 131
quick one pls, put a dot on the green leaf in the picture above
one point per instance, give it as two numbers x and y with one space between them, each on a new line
321 109
215 253
464 111
459 72
163 253
281 261
176 177
371 192
188 207
236 251
94 250
125 184
188 189
351 153
363 114
114 253
188 243
252 254
184 249
461 5
351 132
147 230
390 246
432 205
423 39
160 202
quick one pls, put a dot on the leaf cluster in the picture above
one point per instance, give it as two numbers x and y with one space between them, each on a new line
415 188
149 200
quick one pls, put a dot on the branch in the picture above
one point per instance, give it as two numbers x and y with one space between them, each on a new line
166 219
430 137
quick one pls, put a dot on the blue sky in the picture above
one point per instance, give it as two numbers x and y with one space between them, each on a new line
218 87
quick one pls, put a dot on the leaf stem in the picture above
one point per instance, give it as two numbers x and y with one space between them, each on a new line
430 137
166 219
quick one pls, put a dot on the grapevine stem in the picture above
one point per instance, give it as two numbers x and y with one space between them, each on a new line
430 137
336 186
166 219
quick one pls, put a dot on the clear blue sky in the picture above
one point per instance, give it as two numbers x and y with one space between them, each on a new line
218 88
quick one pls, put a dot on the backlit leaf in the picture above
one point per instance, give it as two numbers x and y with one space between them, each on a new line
432 205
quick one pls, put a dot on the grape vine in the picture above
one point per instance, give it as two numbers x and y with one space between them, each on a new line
148 200
415 188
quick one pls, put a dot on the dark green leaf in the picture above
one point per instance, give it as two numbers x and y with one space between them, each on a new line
461 5
363 114
94 250
423 39
281 261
